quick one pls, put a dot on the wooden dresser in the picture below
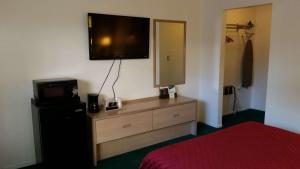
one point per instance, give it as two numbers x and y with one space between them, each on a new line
141 123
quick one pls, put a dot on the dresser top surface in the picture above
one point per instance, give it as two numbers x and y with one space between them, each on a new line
140 105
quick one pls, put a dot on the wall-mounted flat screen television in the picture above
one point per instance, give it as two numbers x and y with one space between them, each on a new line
118 37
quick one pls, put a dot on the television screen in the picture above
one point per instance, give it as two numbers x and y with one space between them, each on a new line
118 37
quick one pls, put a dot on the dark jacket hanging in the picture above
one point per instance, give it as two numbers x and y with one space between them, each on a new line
247 65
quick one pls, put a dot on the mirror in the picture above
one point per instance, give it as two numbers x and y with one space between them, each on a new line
169 52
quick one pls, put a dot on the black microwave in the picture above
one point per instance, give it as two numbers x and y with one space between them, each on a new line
55 91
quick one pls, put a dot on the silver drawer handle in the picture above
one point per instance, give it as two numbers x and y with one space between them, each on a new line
176 115
127 125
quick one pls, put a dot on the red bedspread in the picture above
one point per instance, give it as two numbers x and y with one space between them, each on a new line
247 146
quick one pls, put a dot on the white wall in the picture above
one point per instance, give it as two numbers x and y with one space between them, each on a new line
283 94
283 89
45 39
210 32
261 47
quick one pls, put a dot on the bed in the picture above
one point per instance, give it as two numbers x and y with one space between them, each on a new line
249 145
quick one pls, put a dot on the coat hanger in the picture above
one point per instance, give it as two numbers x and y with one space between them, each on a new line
228 39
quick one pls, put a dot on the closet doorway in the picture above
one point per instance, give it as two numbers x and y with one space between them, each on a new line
245 53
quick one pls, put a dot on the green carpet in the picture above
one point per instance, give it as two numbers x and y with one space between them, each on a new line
131 160
243 116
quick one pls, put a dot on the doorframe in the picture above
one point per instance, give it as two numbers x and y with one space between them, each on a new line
223 52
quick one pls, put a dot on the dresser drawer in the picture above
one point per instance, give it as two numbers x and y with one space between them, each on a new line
118 127
174 115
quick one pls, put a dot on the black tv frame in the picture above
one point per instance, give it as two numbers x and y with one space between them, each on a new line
118 57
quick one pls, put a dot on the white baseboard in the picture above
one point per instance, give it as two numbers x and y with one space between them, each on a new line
20 165
213 125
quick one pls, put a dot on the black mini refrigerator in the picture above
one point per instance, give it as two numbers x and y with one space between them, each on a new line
62 136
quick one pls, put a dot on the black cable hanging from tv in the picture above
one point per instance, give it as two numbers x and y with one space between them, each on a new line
106 76
120 63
